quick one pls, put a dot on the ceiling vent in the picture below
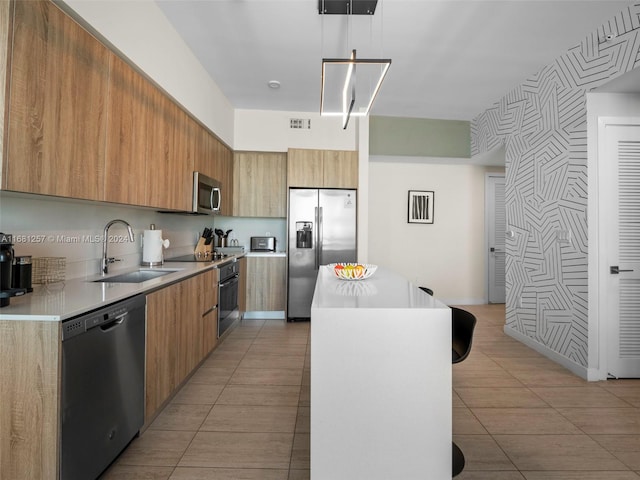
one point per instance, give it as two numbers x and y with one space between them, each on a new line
347 7
300 123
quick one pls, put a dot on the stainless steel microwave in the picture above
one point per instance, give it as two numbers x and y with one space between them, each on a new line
206 194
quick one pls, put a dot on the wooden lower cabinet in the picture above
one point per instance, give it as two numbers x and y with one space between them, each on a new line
208 292
266 285
242 286
181 331
30 365
162 347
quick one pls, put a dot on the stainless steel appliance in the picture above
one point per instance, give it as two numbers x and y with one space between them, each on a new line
102 386
6 271
263 244
227 295
22 273
207 197
322 230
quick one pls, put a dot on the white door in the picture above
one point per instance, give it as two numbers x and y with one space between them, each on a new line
496 229
620 168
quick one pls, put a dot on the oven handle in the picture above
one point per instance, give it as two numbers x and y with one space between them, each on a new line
230 281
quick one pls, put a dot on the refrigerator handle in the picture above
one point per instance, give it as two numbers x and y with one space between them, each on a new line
315 241
320 236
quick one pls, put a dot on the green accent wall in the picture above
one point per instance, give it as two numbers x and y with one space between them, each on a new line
419 137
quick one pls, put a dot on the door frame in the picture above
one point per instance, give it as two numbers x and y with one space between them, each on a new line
487 245
598 267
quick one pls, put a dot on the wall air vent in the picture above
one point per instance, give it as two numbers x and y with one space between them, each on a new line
300 123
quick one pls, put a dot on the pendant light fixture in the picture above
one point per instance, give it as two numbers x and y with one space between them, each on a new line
350 85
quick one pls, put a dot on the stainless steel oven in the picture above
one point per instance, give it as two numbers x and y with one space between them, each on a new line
227 295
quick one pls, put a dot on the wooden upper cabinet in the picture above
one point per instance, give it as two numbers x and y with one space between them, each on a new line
304 168
205 152
5 33
224 168
322 168
169 173
260 184
127 113
340 169
57 111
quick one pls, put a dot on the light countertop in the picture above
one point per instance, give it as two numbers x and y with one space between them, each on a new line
385 289
61 301
265 254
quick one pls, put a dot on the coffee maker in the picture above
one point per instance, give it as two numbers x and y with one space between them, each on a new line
6 267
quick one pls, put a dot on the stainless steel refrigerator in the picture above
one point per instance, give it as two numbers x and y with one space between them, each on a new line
321 230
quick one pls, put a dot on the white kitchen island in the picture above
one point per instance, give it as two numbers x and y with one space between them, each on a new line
380 380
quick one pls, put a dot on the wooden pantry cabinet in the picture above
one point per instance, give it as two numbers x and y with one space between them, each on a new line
56 108
322 168
260 184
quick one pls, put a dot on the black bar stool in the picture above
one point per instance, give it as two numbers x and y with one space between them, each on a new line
462 326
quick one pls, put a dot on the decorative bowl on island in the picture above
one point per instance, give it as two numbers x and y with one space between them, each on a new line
353 271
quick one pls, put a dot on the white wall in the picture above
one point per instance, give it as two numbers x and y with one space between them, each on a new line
600 105
141 32
446 256
269 131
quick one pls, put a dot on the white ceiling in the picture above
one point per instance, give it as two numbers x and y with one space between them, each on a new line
451 59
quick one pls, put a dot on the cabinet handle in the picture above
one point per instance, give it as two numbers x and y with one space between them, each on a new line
210 310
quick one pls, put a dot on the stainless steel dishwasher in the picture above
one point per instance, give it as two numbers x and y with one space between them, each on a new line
102 386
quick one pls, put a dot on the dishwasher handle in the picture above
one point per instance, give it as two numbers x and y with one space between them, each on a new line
115 323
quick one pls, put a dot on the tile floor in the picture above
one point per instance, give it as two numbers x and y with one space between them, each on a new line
516 415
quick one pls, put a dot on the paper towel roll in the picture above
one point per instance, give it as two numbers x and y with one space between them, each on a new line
152 247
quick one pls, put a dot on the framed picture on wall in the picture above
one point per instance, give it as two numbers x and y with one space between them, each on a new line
420 206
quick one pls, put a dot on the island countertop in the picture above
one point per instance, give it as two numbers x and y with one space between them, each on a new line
380 380
385 289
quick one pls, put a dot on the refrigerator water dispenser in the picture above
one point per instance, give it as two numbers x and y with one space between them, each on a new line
304 232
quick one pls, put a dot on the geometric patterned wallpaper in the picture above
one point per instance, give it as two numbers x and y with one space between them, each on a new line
543 125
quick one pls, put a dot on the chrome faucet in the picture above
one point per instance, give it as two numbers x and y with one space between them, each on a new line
105 239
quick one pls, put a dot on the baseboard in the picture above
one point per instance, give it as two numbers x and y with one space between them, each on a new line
567 363
271 315
462 301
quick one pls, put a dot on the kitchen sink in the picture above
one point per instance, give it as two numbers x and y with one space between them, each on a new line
137 276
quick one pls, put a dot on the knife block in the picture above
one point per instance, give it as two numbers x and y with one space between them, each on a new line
203 250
